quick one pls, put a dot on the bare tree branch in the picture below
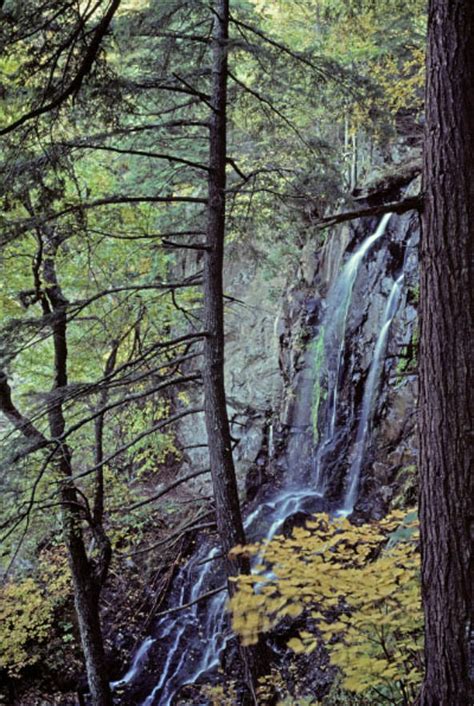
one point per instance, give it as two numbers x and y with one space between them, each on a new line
82 72
21 423
141 153
127 400
194 525
270 105
162 492
202 597
414 203
325 75
152 430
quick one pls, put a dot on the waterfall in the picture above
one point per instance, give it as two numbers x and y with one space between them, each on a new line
138 660
334 338
369 398
200 635
189 643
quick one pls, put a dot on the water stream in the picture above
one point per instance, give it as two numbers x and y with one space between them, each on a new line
188 644
334 332
368 400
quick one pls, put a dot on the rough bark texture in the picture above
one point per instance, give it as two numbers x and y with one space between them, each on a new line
229 521
228 515
446 357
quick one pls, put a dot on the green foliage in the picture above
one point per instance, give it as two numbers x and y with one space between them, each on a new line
407 487
383 42
318 392
287 118
358 587
408 359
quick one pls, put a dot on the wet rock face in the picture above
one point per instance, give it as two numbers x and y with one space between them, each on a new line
252 371
390 443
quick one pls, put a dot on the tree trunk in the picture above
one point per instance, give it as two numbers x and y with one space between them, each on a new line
229 521
228 515
446 356
85 583
86 595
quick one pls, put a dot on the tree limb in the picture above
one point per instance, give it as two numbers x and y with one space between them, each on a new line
202 597
162 492
140 153
325 75
82 72
152 430
21 423
413 203
194 525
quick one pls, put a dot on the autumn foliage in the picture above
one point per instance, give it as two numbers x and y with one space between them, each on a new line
357 587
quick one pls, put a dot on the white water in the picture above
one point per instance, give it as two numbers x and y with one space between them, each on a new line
334 327
137 662
370 390
193 645
200 633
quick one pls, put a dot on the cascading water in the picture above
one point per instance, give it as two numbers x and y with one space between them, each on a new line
138 660
333 331
370 392
189 643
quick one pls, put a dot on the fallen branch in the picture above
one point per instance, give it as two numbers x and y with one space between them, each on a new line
191 527
203 597
414 203
162 492
216 557
161 592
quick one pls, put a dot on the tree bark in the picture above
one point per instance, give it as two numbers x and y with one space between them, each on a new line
446 407
229 520
228 515
97 525
85 582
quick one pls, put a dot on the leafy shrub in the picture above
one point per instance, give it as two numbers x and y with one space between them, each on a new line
358 587
25 619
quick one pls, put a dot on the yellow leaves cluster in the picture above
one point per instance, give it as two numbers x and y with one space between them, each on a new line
221 694
25 617
402 82
359 588
27 609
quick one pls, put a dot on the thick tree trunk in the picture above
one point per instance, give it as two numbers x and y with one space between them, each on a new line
228 515
446 358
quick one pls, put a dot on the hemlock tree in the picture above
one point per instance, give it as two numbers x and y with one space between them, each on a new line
446 405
